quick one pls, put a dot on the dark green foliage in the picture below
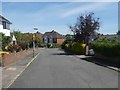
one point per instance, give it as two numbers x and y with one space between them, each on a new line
118 33
55 45
49 45
106 48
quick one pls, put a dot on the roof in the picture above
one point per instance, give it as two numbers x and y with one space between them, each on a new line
53 34
39 33
4 19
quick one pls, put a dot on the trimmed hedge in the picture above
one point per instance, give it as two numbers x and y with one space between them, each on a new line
75 47
106 49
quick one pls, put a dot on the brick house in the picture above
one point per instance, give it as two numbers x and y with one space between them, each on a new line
53 37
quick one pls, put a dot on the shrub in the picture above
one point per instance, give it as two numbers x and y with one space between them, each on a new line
67 46
13 48
106 49
78 48
75 47
42 45
49 45
56 45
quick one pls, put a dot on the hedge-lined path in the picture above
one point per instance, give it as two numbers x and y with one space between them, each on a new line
54 68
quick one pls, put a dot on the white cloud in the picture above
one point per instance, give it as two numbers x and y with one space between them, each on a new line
81 9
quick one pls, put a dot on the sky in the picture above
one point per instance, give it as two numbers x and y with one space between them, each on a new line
48 16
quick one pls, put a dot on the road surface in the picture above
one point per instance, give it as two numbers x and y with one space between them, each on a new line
53 68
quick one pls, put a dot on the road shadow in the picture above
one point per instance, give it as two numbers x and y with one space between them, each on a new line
101 62
65 52
92 59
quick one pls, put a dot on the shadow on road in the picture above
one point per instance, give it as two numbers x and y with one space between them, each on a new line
92 59
63 53
101 62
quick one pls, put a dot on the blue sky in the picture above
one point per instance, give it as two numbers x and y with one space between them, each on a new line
59 15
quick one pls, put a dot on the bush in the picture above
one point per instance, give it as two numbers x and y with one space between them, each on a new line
13 48
75 47
49 45
56 45
106 49
78 48
42 45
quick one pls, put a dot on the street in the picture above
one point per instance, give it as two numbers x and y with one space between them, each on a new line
54 68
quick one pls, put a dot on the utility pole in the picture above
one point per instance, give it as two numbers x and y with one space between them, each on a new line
33 45
34 42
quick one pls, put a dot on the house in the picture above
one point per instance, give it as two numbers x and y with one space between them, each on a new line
53 37
5 26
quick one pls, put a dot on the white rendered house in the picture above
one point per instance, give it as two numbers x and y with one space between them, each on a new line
4 26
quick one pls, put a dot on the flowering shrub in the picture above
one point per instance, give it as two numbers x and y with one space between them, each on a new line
75 47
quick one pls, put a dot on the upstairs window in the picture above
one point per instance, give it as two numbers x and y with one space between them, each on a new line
5 25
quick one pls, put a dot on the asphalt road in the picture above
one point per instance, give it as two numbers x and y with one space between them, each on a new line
53 68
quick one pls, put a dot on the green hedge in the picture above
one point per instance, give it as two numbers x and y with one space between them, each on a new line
56 45
75 47
106 49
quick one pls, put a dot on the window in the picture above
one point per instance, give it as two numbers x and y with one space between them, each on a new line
4 24
54 40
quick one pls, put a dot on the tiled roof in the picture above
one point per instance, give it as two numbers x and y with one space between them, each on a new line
52 34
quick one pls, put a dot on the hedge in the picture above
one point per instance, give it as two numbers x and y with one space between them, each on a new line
75 47
106 49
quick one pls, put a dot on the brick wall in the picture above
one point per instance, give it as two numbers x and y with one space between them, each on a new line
60 41
13 57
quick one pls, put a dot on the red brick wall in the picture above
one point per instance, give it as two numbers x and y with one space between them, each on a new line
13 57
60 41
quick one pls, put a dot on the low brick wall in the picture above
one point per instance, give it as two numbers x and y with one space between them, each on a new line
13 57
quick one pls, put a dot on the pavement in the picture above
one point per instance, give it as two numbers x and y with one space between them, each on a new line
11 72
98 61
54 68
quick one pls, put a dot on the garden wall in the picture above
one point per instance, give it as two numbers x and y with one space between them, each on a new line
13 57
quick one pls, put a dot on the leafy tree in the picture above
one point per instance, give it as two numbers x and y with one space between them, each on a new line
84 27
38 39
118 33
69 38
25 40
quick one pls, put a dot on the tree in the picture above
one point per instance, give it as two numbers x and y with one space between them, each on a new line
84 27
68 37
118 33
25 40
38 39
